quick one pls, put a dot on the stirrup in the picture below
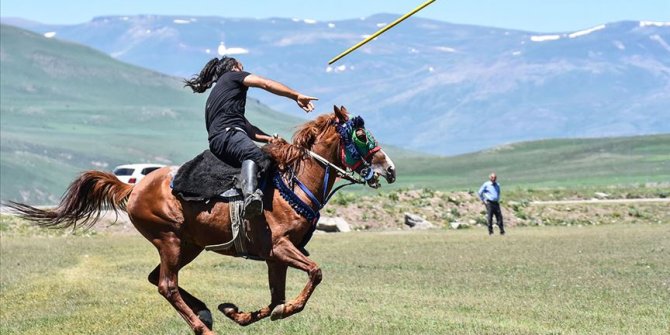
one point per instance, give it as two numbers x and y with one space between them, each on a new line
253 206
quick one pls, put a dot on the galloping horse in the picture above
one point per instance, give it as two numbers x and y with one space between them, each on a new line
180 230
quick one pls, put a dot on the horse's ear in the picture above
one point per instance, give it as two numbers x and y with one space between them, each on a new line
341 113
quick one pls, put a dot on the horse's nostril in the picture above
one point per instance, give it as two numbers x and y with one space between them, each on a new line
390 174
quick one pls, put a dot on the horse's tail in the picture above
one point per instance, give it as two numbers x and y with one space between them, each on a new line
83 202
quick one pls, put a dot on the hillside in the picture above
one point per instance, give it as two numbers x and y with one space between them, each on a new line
546 163
66 108
434 86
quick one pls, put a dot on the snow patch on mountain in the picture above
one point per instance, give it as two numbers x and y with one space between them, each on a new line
50 34
445 49
543 38
660 41
654 24
586 31
337 69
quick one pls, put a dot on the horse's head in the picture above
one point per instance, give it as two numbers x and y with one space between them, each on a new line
343 140
360 152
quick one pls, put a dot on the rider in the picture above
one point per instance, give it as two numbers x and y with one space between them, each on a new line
230 134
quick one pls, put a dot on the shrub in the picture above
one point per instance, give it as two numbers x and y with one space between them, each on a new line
343 198
453 201
634 212
428 193
394 196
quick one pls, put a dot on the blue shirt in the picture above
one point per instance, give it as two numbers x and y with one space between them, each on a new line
489 191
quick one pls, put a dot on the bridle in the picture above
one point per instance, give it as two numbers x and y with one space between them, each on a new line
365 174
352 158
355 153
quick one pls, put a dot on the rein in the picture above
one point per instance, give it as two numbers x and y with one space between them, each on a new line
298 204
340 173
308 211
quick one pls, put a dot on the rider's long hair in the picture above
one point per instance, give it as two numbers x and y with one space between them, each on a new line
210 74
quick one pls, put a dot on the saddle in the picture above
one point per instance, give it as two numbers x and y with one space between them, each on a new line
206 177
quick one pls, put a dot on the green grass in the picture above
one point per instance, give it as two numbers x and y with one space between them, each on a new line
612 279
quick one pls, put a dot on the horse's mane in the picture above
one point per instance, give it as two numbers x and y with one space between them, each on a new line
290 155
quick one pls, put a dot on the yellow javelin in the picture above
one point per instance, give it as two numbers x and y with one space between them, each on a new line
380 31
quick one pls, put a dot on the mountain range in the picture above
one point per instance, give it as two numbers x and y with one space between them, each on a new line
432 86
66 108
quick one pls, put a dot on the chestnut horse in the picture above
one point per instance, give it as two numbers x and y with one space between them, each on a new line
180 230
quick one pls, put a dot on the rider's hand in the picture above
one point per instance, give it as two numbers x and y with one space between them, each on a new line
305 102
275 139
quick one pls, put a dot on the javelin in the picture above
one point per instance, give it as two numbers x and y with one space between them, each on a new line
380 31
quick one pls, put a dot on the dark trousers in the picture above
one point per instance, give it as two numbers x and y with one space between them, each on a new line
234 147
493 208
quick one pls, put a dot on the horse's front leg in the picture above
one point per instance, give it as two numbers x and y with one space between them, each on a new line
277 280
285 252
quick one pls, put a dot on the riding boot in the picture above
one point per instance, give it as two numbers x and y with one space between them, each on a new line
253 198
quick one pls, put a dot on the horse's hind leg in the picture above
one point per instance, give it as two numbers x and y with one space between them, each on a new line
277 280
174 256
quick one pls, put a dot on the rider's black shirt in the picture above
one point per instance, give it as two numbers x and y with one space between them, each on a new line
226 102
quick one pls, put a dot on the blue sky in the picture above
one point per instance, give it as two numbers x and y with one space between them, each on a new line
532 15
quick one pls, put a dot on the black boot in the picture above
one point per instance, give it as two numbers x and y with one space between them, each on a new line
253 198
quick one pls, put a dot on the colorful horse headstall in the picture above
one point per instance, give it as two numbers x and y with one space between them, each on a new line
356 152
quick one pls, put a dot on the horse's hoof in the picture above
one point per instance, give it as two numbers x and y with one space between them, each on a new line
206 317
228 309
277 312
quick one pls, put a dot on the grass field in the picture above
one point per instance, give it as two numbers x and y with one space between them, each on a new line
612 279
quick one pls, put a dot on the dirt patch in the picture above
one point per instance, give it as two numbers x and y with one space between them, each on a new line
386 210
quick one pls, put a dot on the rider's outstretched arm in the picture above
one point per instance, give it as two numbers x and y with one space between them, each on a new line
304 101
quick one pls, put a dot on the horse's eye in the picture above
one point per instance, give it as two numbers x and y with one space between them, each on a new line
360 134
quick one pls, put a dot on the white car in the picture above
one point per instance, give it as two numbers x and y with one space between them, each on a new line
133 173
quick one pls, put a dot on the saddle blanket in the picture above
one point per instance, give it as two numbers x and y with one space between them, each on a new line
204 177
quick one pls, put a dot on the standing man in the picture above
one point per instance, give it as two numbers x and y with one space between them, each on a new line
489 193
